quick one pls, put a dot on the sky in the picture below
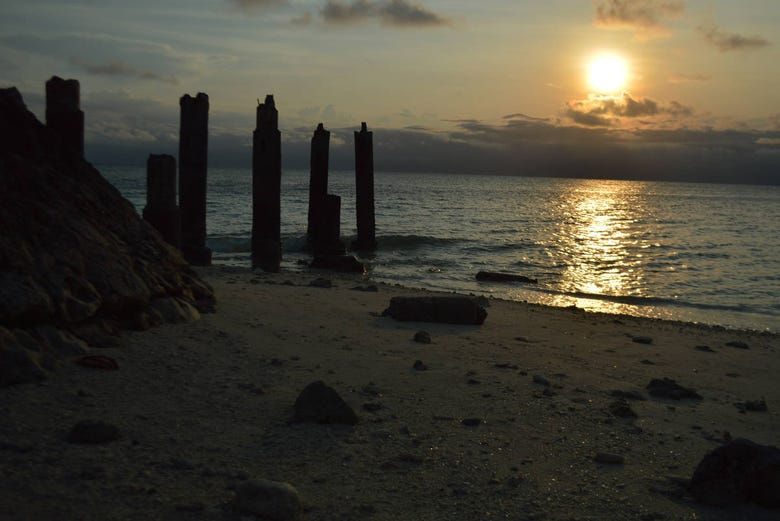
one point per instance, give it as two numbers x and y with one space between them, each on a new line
497 86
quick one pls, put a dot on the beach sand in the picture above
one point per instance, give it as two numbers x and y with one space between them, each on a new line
204 406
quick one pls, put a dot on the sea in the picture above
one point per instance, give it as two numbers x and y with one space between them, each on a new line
703 253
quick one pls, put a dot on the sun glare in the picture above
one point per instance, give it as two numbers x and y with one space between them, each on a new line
607 73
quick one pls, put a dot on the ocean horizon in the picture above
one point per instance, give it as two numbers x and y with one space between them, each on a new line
695 252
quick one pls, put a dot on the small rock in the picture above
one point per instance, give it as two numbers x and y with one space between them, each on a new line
609 459
642 339
93 431
370 288
753 405
269 500
419 366
422 337
706 349
541 380
621 409
322 404
372 406
668 388
471 422
449 310
738 344
628 395
321 282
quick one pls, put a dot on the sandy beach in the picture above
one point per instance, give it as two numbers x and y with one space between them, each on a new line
204 406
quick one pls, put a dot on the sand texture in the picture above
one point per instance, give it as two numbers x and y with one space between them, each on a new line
203 407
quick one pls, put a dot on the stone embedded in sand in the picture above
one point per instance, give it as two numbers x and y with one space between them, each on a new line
471 422
448 310
322 404
668 388
419 366
268 500
422 337
504 277
628 395
541 380
738 472
93 431
609 459
621 409
753 405
738 344
642 339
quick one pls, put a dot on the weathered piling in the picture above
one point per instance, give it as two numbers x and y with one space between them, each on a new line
364 190
161 210
64 115
329 239
266 188
318 183
193 160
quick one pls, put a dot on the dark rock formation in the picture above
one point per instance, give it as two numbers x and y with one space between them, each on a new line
76 260
268 500
738 472
193 166
364 190
266 188
342 263
422 337
161 210
504 277
668 388
449 310
322 404
64 116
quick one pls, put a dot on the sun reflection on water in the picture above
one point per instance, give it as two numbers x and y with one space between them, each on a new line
593 226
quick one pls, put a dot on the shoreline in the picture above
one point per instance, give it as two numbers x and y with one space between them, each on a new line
204 406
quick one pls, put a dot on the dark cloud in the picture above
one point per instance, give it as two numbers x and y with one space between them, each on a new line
689 78
606 111
401 13
119 68
338 12
643 16
404 13
725 41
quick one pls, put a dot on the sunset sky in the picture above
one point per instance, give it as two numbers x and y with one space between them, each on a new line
498 86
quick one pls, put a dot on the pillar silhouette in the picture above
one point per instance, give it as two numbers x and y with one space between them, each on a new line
364 190
161 210
193 160
266 188
64 115
318 183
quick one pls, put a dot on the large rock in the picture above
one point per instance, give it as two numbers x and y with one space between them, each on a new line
737 472
322 404
449 310
73 251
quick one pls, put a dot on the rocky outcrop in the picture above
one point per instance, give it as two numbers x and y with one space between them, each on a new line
76 261
448 310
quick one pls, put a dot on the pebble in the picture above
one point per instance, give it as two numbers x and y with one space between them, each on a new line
621 409
609 458
642 339
541 380
706 349
372 406
738 344
268 500
752 405
93 431
471 422
419 366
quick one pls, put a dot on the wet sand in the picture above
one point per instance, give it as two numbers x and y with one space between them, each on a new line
204 406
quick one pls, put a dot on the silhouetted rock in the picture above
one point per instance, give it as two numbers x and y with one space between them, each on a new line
738 344
266 188
504 277
74 254
621 409
737 472
448 310
422 337
64 116
608 458
364 190
322 404
642 339
668 388
342 263
93 431
753 405
268 500
193 167
161 210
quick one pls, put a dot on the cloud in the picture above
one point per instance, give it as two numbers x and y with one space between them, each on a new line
689 78
645 17
400 13
606 111
725 41
119 68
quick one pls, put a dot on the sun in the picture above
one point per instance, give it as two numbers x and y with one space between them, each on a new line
607 73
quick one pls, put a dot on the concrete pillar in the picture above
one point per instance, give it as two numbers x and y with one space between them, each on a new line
64 115
329 241
364 190
193 160
266 188
318 183
161 210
